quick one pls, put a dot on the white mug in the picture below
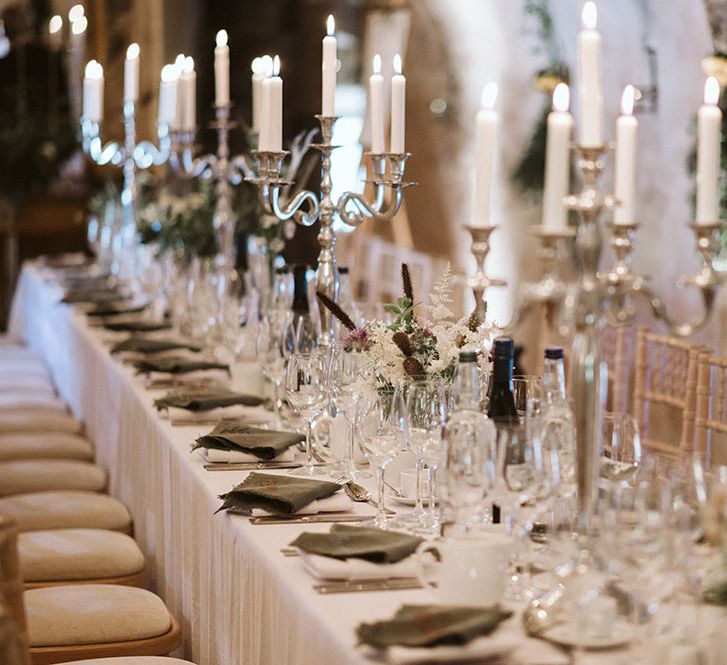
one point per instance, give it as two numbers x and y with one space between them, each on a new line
473 570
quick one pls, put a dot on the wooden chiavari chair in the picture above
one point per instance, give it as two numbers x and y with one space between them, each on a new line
617 349
665 382
711 414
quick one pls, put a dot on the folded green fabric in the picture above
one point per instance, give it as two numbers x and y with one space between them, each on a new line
137 326
279 495
343 542
104 295
146 345
205 399
177 365
114 310
431 625
263 443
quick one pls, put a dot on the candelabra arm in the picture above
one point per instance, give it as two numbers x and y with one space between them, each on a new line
295 208
182 159
148 154
93 146
239 170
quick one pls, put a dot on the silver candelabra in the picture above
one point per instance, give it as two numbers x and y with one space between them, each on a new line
599 295
306 207
130 156
223 169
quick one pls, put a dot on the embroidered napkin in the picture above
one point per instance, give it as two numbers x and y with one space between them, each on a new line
325 568
262 443
431 625
177 365
371 544
137 326
279 495
147 345
238 457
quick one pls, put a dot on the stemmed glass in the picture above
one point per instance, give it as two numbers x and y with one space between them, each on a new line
380 419
271 355
349 380
306 387
425 409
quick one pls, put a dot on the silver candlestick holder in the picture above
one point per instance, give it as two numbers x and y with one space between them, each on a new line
306 207
129 156
226 171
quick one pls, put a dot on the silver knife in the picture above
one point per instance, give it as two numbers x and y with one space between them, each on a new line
308 519
368 585
250 466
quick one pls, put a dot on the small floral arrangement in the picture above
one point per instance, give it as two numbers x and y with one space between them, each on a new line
410 347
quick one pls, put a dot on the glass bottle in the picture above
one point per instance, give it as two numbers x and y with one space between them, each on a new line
302 331
501 408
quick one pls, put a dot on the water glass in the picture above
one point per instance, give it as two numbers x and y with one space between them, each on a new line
271 355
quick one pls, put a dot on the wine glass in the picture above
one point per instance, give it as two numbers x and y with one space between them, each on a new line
306 389
271 355
349 380
380 420
425 410
621 447
527 391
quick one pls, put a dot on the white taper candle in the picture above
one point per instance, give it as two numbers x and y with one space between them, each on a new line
328 67
709 136
557 161
131 73
590 84
398 108
625 171
377 113
485 140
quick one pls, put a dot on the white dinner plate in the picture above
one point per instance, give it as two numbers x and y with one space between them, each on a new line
568 635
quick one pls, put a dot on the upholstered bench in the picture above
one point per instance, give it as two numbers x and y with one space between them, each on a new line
24 476
44 445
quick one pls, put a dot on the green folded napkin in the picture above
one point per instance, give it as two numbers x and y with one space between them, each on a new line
263 443
343 542
137 326
103 295
177 365
431 625
205 399
279 495
146 345
114 310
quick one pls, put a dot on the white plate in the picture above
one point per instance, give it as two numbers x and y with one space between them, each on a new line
406 500
568 635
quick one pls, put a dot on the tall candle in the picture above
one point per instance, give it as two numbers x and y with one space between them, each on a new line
75 13
179 96
55 32
590 83
261 69
272 136
376 107
188 89
557 161
625 186
93 84
709 131
398 108
485 139
329 66
168 95
131 73
222 70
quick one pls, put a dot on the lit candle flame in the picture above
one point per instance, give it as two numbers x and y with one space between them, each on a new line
188 64
397 64
133 51
276 65
589 17
711 91
266 63
94 70
376 64
561 98
75 12
78 27
489 96
55 24
221 38
627 100
170 73
330 25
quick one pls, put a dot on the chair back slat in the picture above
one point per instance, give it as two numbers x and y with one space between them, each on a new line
13 628
665 389
616 351
711 416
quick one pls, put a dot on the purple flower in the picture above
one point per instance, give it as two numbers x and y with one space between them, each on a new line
356 340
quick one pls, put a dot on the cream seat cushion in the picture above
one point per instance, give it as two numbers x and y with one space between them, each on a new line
93 614
45 445
132 660
77 554
23 400
65 509
24 476
38 420
25 382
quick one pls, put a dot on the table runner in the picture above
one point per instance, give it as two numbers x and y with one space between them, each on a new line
238 600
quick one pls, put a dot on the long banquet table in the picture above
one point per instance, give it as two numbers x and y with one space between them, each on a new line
238 599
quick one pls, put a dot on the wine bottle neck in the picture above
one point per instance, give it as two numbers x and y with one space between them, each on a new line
554 380
467 386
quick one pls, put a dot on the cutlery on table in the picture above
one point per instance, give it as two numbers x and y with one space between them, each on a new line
250 466
360 494
346 586
308 519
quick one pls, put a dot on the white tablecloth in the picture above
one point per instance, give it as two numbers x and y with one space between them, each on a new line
238 599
